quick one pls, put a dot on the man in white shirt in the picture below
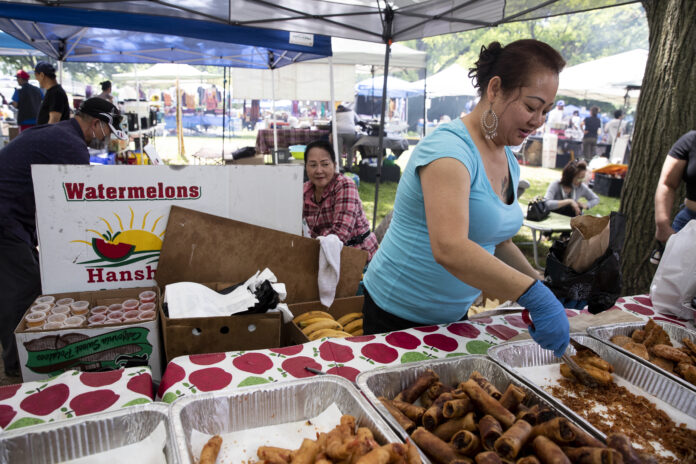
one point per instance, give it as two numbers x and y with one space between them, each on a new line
614 127
556 114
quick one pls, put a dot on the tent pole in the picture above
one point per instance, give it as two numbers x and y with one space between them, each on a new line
224 109
380 146
137 99
425 101
273 121
334 129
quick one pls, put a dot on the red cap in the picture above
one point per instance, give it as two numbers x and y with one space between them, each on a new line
23 74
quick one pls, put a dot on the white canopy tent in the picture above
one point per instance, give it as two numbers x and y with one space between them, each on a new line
165 73
604 79
453 81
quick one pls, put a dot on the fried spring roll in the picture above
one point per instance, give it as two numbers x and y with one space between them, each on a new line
466 443
448 429
489 430
487 404
545 414
457 408
511 442
274 455
422 383
376 456
557 429
548 452
529 415
364 433
622 444
413 412
590 455
512 397
434 415
307 453
348 421
528 460
583 438
437 449
433 392
397 451
647 458
211 450
486 385
412 455
403 421
336 446
488 457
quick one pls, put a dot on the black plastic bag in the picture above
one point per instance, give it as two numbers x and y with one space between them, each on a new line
537 210
600 285
244 152
268 298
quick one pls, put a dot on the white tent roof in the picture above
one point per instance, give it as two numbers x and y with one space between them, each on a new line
606 78
167 72
360 52
450 82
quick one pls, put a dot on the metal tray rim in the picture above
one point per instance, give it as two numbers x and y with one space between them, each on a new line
592 331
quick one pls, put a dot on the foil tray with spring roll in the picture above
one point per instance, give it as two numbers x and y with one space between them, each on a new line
517 356
270 404
86 435
676 334
388 382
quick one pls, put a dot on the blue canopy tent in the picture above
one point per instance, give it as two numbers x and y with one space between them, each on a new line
82 35
9 46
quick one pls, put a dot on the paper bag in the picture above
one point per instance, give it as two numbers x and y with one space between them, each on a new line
588 242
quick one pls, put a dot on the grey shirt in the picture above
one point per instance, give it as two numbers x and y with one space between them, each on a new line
555 193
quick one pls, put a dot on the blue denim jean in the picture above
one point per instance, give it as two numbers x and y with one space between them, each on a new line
683 216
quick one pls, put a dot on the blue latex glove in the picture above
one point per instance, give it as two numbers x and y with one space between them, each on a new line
550 329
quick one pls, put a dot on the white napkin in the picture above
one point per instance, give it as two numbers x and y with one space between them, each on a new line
329 268
189 299
284 310
147 451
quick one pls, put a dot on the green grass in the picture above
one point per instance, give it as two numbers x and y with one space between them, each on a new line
539 180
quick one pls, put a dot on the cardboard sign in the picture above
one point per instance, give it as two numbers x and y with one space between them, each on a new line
102 227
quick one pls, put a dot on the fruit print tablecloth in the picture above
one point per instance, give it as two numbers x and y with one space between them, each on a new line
348 357
72 394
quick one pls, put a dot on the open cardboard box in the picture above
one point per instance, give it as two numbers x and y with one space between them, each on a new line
45 353
340 307
203 248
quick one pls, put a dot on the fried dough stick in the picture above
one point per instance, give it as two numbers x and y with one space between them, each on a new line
211 450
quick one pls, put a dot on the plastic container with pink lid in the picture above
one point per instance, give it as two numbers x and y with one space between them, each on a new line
98 310
147 296
116 316
97 319
114 307
130 304
146 316
147 307
131 315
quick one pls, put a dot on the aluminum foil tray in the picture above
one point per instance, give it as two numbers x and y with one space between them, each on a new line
514 355
675 332
84 436
390 381
271 404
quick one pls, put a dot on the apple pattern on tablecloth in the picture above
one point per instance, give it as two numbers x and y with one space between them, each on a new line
72 394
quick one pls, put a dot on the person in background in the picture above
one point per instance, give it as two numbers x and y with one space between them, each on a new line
55 106
345 129
106 91
565 196
613 127
575 119
679 165
62 143
590 128
331 203
27 100
556 114
456 208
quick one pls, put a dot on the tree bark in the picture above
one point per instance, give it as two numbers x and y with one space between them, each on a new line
666 110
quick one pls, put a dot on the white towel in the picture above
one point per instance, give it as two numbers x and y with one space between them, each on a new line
329 268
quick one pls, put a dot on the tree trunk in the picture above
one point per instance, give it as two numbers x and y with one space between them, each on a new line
666 110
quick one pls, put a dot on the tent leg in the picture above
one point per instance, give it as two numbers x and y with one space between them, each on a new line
224 110
380 146
273 121
334 129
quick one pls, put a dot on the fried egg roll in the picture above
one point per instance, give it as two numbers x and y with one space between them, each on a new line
544 414
489 430
457 408
512 397
548 452
528 415
376 456
487 404
416 389
434 415
411 411
448 429
440 451
274 455
466 443
488 457
431 394
590 455
622 444
412 455
511 442
486 385
403 421
211 450
307 453
557 429
583 438
528 460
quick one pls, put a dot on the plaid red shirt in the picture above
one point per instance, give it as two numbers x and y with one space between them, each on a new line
338 212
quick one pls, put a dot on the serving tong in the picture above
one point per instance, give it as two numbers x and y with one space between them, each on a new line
579 372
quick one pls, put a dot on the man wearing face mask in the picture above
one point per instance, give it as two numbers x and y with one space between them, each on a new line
62 143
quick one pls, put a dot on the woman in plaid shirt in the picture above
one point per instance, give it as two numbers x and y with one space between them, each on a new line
331 201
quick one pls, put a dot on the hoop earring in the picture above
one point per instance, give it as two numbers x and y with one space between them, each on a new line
489 123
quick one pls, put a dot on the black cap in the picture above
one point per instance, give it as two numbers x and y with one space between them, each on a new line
105 111
44 67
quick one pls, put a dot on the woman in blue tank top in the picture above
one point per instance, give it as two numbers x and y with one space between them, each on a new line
456 207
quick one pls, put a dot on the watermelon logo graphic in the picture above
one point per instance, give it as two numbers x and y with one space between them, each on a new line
128 245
